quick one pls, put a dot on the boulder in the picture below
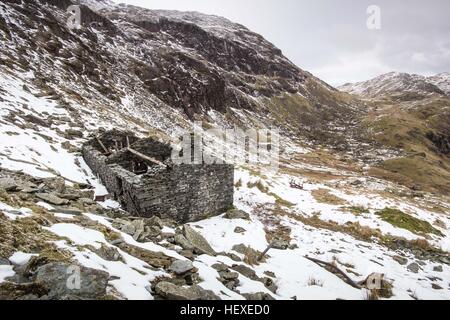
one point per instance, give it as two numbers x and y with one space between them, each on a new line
438 268
197 240
152 231
280 244
139 228
270 274
401 260
220 267
413 267
69 196
245 271
73 133
239 230
229 275
237 214
204 294
154 221
52 199
8 184
269 284
436 286
171 291
67 210
187 254
56 276
233 257
258 296
109 253
240 248
181 266
128 228
183 242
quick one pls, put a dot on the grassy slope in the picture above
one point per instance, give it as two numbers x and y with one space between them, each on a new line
404 127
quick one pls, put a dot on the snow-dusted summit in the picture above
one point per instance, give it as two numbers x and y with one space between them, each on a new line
395 83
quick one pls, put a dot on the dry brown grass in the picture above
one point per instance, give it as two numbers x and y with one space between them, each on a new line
359 232
371 295
325 196
314 282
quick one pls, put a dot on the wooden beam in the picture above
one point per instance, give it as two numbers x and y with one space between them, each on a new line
146 158
265 252
102 145
327 264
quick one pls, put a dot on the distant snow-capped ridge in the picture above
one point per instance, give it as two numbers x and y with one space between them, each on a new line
397 83
97 5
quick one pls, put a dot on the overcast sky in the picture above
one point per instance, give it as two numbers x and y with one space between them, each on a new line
330 38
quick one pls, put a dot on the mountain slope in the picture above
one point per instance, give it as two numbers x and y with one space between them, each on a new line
410 113
401 85
198 66
442 81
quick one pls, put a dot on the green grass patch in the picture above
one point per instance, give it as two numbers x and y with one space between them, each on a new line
402 220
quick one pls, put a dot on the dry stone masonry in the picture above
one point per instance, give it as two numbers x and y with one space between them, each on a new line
147 183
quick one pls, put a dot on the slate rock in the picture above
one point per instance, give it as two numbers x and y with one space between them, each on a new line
56 277
181 266
413 267
171 291
204 294
197 240
438 269
401 260
228 275
183 242
258 296
52 199
245 271
280 244
237 214
239 230
220 267
8 184
240 248
436 286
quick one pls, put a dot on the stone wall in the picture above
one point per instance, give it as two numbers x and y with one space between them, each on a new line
185 193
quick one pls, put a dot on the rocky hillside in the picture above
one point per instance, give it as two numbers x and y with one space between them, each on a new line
410 113
401 86
348 202
169 68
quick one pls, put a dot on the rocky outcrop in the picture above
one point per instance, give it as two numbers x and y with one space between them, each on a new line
57 278
171 291
197 241
441 142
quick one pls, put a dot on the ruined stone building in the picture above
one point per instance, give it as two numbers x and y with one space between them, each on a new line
140 174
